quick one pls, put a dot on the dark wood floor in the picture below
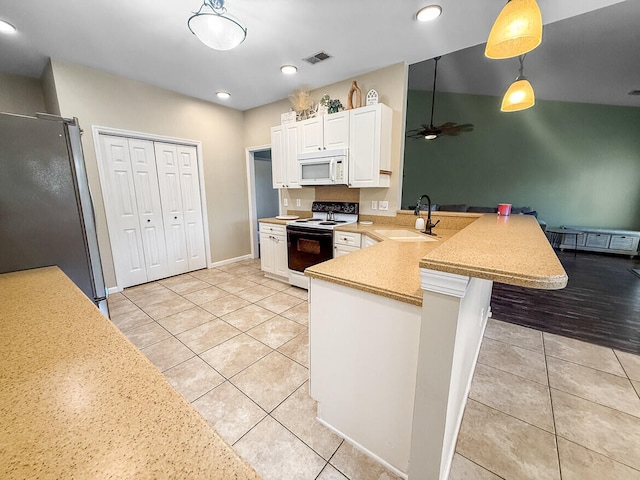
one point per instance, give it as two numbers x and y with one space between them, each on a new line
601 303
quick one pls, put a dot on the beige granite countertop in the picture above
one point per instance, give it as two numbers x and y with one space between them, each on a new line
511 250
78 400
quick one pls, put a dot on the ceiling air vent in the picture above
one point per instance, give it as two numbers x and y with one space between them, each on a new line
634 92
318 57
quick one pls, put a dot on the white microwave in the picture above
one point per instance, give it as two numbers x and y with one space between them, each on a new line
324 167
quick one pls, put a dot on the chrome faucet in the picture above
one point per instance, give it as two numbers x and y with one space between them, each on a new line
330 216
428 224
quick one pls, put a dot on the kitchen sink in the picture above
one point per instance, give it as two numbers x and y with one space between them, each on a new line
406 236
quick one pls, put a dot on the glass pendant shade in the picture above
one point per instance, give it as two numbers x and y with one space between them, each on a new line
516 31
217 30
519 96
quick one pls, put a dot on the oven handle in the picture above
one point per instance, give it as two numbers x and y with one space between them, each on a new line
332 175
307 232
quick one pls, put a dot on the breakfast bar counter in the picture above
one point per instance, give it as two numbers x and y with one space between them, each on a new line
395 329
78 400
511 250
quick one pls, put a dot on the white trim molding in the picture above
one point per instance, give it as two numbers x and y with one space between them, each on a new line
442 282
248 256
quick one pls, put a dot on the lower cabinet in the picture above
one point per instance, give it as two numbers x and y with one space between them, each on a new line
273 250
624 242
345 242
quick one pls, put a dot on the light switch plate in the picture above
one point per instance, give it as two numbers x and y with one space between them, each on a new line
285 202
298 202
374 205
384 205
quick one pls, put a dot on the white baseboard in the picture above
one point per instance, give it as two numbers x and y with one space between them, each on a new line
364 450
112 290
248 256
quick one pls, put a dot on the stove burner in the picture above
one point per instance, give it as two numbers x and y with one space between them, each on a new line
306 220
328 223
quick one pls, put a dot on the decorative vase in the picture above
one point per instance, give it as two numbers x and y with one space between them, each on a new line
354 90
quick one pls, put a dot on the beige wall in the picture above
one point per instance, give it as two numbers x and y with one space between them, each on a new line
19 94
391 85
98 98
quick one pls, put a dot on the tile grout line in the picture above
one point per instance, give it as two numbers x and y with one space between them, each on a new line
553 413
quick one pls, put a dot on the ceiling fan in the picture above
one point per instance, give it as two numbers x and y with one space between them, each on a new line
430 132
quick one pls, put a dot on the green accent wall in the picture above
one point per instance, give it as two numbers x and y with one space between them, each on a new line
575 163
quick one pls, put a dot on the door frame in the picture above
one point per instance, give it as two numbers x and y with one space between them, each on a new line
98 130
251 195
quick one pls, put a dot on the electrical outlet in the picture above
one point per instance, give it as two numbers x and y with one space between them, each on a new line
285 202
298 202
374 205
384 205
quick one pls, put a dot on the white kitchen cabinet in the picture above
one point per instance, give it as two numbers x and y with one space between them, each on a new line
284 155
345 242
370 146
326 132
367 241
273 250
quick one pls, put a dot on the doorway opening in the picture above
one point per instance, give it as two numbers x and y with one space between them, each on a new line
264 200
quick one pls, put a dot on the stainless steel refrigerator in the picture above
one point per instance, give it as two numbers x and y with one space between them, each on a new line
46 214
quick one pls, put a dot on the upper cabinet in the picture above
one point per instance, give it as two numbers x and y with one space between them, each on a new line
365 132
284 155
326 132
370 146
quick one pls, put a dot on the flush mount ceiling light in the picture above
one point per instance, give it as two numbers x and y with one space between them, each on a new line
429 13
215 28
6 27
223 95
519 95
516 31
288 69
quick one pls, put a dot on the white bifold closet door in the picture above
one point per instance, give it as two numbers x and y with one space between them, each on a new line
152 199
182 212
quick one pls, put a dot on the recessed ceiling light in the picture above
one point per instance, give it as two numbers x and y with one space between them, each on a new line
288 69
429 13
6 27
223 95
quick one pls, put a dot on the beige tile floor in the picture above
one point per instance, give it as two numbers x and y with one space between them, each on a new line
234 344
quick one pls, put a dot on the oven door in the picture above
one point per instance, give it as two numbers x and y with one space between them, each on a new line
308 247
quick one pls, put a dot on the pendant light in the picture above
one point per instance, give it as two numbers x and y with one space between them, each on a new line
519 95
215 28
516 31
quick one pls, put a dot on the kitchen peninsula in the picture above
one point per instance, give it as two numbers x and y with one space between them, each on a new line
395 331
78 400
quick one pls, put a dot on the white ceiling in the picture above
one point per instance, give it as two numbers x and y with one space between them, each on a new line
148 40
591 58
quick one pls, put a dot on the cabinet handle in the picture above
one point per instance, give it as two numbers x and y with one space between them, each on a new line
319 148
175 218
148 220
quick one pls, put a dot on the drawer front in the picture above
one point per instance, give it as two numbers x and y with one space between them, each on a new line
624 242
571 240
273 228
346 238
598 240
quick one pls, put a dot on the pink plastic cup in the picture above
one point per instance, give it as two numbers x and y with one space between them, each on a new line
504 209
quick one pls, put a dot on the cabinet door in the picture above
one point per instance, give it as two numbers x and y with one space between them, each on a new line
267 254
192 206
311 135
336 130
291 132
370 146
145 179
278 151
171 197
122 211
339 250
281 264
